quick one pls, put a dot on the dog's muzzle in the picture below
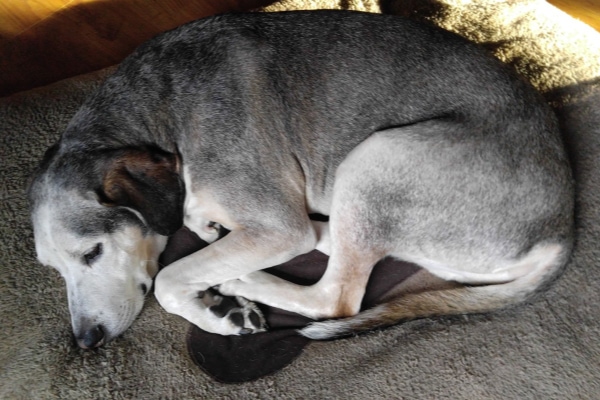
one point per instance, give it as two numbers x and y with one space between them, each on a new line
91 338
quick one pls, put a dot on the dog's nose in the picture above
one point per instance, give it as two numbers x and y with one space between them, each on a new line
91 338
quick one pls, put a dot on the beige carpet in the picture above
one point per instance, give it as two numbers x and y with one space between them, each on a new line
549 349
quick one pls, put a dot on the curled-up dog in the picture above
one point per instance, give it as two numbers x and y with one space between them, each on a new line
415 143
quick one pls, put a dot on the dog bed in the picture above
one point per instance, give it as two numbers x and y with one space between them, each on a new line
549 348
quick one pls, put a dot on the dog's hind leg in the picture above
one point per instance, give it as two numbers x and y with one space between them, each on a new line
424 194
445 206
544 262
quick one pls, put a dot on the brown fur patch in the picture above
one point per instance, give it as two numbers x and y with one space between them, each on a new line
123 180
146 179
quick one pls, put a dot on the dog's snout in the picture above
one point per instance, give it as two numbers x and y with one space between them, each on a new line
92 338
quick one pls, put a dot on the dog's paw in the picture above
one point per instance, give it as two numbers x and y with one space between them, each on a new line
241 314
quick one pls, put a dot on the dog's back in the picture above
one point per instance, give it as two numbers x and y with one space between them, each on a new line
317 83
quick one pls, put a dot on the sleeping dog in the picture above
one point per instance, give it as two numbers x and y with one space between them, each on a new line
413 142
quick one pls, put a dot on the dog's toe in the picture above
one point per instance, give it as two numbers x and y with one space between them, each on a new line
241 313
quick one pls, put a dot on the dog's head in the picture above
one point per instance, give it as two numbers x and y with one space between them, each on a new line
101 218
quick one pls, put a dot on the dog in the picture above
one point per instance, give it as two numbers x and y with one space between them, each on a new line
413 142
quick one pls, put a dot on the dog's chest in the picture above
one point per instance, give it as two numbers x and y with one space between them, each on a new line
201 209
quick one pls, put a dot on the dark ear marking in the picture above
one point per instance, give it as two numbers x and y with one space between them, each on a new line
147 180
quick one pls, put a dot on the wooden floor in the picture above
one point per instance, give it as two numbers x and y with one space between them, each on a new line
587 11
42 41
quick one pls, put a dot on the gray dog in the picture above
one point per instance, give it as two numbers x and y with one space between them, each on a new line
415 143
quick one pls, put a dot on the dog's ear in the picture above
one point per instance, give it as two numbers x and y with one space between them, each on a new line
146 180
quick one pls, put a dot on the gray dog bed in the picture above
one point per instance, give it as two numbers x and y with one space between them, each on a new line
547 349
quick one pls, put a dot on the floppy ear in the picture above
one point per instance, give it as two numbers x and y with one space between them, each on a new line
147 180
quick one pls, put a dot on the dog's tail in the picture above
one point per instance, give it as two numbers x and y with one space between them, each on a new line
543 263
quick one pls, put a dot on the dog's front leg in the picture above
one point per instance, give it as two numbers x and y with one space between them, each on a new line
338 293
184 287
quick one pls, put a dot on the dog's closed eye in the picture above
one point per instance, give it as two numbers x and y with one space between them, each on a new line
93 254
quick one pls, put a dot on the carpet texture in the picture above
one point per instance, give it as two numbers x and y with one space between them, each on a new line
547 349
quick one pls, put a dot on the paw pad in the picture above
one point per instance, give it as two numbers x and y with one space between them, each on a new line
239 311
